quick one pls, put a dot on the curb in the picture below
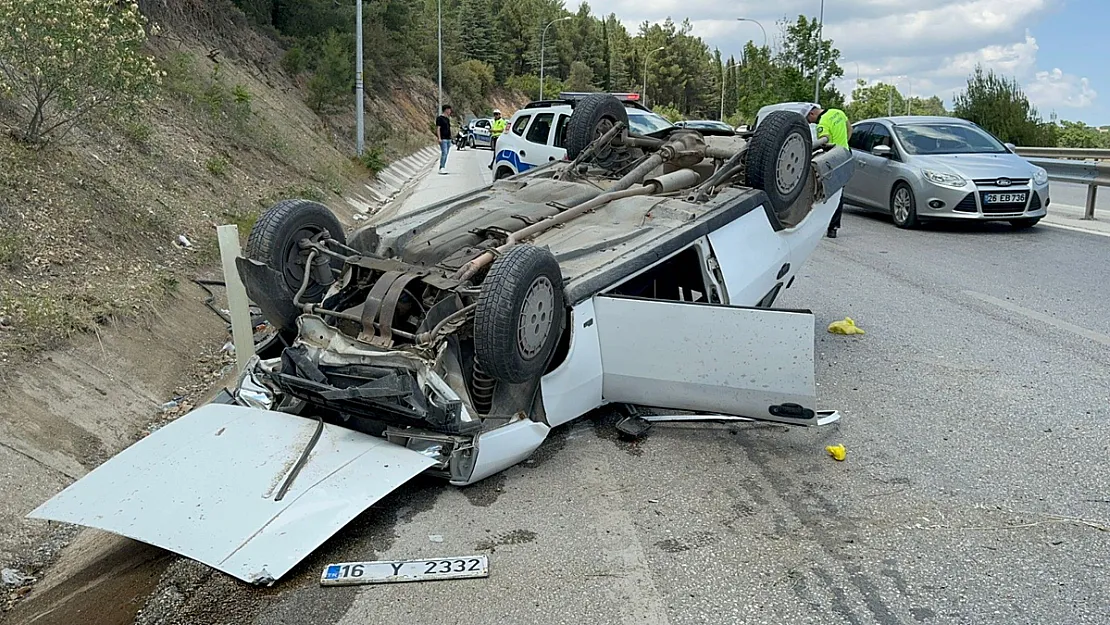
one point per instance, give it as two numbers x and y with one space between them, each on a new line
391 181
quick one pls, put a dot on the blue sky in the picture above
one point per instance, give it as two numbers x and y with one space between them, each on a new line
1056 49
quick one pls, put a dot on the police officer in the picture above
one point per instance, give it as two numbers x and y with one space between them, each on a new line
832 123
495 129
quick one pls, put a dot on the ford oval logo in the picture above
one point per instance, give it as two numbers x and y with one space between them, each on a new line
1003 182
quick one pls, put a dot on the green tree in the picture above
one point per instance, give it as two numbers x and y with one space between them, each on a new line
999 105
477 31
68 59
581 77
877 100
1080 135
927 106
806 53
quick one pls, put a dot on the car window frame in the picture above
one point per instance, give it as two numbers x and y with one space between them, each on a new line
865 130
532 124
559 134
523 122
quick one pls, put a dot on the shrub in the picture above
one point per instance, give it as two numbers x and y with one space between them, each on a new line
373 158
67 59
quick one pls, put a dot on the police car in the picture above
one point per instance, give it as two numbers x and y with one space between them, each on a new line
536 134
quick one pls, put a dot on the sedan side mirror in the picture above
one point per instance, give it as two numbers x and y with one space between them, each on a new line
883 151
1011 147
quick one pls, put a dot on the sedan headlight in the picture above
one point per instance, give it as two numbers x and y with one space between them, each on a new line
1040 176
944 178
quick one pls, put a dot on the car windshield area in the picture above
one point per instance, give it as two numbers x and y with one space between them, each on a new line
645 122
947 139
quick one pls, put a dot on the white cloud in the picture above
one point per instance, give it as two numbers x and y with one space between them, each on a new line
929 51
1056 89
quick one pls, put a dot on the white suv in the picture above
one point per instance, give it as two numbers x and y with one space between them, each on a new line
536 134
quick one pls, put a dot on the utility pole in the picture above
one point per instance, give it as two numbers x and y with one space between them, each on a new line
646 58
724 68
817 78
360 135
439 9
542 36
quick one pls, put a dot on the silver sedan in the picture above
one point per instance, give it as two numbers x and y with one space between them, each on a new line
925 168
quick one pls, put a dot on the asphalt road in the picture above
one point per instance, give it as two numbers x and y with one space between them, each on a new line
974 489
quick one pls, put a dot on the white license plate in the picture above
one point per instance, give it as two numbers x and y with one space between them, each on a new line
384 572
1004 198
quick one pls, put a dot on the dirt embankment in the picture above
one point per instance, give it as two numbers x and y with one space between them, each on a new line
102 332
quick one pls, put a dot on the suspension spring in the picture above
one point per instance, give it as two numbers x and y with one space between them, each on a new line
482 385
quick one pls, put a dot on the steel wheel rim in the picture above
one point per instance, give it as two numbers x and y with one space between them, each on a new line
296 258
536 316
902 205
790 164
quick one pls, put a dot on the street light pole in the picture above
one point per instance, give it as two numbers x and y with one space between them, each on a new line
542 36
646 57
763 78
817 78
731 62
439 9
360 135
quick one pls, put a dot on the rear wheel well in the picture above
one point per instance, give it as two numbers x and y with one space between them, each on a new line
503 172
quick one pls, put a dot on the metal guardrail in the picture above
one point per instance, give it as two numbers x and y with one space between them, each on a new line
1075 165
1089 154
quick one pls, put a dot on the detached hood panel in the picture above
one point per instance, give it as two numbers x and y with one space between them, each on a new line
205 486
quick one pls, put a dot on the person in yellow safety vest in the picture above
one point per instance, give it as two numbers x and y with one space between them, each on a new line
832 123
495 130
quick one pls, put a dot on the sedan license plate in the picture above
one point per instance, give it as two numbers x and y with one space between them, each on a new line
384 572
1004 198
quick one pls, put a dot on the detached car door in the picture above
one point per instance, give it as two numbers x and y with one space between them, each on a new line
725 360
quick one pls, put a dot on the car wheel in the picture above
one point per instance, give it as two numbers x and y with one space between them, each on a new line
519 317
779 158
502 172
1027 222
593 116
903 206
274 241
470 142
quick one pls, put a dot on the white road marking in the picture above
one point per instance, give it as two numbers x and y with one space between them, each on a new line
1042 317
1074 229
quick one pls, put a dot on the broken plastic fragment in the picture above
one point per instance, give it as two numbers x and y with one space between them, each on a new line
845 326
837 452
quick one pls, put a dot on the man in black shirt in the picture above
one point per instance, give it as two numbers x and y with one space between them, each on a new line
443 133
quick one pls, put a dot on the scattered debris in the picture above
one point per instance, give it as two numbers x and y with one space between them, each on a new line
11 577
183 242
5 323
435 538
845 326
837 452
171 404
633 426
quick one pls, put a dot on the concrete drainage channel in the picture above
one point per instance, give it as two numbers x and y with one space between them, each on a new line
392 181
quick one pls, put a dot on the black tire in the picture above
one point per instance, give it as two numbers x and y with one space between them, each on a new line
275 237
1026 222
502 172
470 143
593 116
779 159
907 219
525 276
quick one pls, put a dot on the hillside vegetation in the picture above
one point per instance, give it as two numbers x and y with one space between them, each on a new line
106 216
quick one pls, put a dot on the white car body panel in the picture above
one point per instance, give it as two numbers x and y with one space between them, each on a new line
204 486
706 357
574 387
506 446
750 254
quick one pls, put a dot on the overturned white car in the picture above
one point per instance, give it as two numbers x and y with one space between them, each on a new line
451 340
